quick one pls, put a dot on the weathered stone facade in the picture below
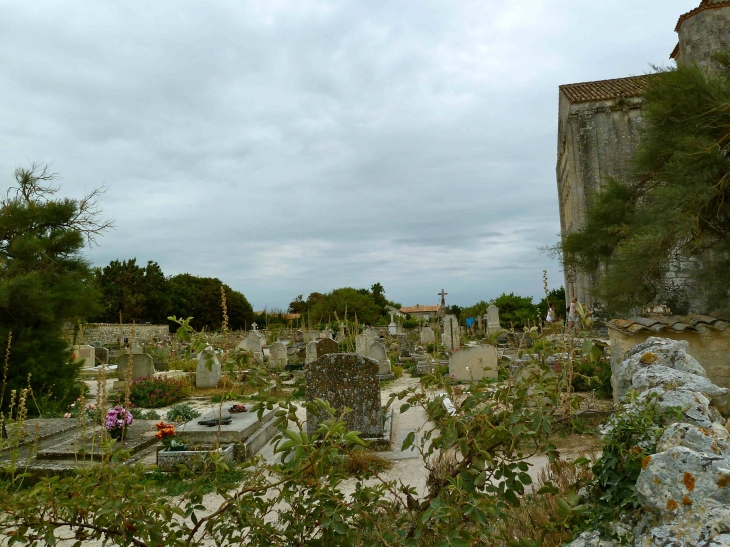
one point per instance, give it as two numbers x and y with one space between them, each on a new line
599 127
596 139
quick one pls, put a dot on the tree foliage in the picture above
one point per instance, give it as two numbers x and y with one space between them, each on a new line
353 301
139 293
673 215
44 281
515 311
200 298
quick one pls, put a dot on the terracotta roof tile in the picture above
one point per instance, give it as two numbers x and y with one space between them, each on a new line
420 309
694 322
606 89
705 5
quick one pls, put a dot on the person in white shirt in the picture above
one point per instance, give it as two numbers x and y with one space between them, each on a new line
551 318
572 314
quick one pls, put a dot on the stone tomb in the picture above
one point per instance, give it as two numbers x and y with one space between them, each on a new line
427 336
452 333
208 371
101 356
245 430
142 366
58 446
473 364
378 353
278 357
348 380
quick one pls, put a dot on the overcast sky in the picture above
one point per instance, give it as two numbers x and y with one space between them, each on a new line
294 146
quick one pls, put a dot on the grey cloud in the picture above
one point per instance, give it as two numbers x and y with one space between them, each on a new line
288 147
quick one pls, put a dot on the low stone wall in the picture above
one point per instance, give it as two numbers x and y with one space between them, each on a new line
684 487
109 334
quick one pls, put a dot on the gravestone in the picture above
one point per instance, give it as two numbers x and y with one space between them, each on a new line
473 363
493 319
326 346
452 333
377 352
143 365
85 354
479 323
346 380
341 334
253 343
208 371
101 356
137 349
427 336
361 347
278 355
311 352
297 337
326 333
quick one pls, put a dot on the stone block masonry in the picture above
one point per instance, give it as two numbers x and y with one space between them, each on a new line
109 334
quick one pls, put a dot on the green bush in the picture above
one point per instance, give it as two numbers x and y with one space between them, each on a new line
181 413
410 324
157 392
140 414
397 371
590 375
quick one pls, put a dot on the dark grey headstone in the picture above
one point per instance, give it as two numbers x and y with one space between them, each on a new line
347 380
326 346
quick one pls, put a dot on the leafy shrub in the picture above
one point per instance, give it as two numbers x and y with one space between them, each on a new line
430 347
590 375
186 365
181 413
410 324
397 371
157 392
140 414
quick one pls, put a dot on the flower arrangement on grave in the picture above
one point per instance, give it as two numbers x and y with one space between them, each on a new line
117 420
166 433
76 409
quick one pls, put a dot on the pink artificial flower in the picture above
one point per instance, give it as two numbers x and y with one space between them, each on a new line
67 415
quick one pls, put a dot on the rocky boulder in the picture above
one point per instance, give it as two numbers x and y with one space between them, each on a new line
659 376
699 439
655 351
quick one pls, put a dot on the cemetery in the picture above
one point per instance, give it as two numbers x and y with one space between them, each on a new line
148 409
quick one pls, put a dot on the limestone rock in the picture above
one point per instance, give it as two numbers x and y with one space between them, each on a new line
592 539
695 438
655 351
680 481
709 527
668 378
695 406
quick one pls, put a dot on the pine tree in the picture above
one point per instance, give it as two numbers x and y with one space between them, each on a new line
44 282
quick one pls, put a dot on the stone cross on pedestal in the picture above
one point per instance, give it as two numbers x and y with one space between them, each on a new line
254 326
443 295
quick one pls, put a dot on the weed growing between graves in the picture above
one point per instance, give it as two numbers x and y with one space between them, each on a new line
186 484
182 412
363 463
157 392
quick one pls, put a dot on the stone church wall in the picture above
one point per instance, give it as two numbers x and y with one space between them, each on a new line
702 34
596 142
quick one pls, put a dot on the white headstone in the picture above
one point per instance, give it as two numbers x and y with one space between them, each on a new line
252 343
393 328
427 336
86 355
326 333
278 355
493 319
473 364
452 333
208 371
377 352
311 352
136 349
